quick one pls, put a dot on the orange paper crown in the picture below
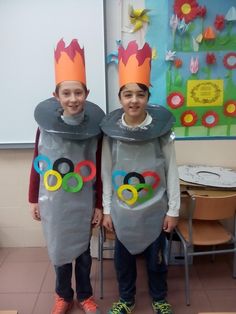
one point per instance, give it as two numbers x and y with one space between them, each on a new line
69 62
134 64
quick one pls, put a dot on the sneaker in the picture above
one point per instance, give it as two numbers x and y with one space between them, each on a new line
61 306
161 307
121 307
89 306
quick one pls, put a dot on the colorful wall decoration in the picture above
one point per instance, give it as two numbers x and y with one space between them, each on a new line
201 76
194 61
201 73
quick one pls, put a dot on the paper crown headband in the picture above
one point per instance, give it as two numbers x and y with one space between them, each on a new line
69 62
134 64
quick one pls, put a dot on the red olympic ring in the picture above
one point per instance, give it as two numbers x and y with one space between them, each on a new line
154 175
92 168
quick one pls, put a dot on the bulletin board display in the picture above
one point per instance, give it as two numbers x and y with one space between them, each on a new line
199 62
29 32
193 61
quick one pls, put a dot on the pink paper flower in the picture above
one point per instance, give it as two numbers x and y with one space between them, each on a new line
175 100
194 65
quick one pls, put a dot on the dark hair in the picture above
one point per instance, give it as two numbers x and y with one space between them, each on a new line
142 86
59 84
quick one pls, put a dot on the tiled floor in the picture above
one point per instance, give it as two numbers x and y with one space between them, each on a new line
27 284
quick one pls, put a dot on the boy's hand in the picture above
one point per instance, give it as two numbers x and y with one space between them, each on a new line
169 223
97 217
107 222
35 212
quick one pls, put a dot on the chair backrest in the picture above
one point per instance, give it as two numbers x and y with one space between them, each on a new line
213 207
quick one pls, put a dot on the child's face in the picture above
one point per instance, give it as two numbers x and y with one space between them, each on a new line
72 96
134 101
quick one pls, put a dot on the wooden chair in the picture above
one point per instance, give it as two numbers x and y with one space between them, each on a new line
203 227
104 235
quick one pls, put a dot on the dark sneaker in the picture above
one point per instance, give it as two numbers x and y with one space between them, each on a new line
121 307
161 307
61 306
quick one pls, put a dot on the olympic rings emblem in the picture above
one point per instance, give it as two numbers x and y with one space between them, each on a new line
62 179
134 189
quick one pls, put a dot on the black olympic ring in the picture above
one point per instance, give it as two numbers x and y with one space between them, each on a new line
60 161
134 175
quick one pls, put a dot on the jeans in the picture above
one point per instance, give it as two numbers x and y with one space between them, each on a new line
82 278
126 271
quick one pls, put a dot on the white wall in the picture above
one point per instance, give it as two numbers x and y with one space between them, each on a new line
17 228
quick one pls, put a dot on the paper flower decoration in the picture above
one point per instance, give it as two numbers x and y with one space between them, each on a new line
189 118
210 119
230 108
195 44
138 17
194 65
219 22
175 100
174 23
229 60
201 11
170 55
113 56
210 58
154 53
199 38
178 63
209 34
231 15
182 27
186 9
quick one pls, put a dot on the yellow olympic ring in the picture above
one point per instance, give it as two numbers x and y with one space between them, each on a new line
58 177
131 188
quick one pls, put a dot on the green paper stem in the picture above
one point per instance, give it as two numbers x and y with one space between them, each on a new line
229 121
208 131
186 131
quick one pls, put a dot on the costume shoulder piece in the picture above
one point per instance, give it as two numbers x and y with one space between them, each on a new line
162 122
48 116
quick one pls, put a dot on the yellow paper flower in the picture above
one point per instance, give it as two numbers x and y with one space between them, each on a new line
138 17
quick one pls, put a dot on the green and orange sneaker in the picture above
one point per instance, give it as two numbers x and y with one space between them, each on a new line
121 307
161 307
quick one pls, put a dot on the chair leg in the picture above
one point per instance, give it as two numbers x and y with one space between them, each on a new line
169 247
186 268
101 242
234 264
